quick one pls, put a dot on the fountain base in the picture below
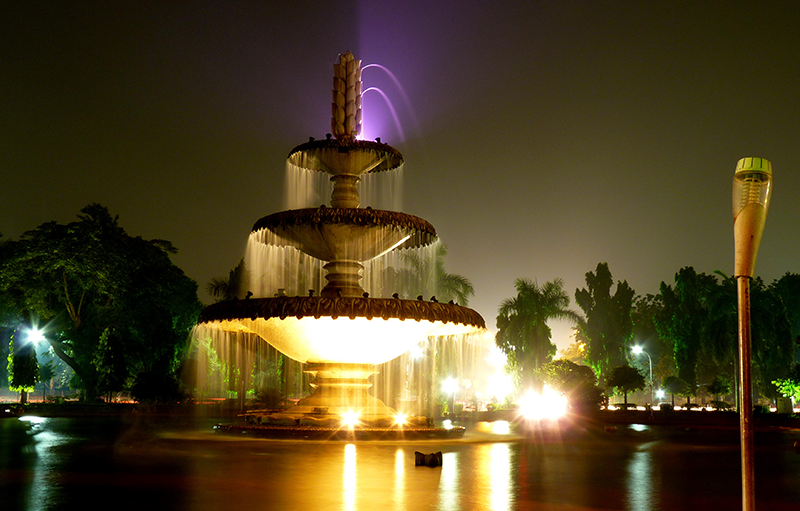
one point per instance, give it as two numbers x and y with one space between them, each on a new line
347 434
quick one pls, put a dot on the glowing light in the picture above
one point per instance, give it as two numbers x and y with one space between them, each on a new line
32 419
343 340
660 394
34 335
416 352
449 386
350 419
501 427
497 358
400 419
637 350
499 386
447 424
547 405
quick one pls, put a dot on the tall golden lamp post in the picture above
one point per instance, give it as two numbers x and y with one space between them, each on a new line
752 187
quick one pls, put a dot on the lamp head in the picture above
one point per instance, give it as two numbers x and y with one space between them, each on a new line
752 188
637 350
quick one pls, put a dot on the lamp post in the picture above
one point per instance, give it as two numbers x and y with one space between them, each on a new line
636 351
752 187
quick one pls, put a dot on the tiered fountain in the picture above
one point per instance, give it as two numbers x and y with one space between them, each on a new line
342 333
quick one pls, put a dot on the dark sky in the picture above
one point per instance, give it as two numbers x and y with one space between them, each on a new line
539 140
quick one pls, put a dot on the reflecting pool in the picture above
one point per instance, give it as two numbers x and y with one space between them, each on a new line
144 463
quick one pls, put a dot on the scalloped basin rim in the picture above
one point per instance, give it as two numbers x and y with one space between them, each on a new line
326 151
351 307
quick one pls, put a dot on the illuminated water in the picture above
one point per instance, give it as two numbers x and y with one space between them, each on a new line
169 464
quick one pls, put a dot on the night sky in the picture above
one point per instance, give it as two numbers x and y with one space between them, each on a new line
539 140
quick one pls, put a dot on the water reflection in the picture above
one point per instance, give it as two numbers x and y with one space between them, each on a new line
640 482
349 477
448 483
59 461
500 474
399 479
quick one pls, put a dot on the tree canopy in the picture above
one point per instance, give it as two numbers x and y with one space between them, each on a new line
115 306
608 326
625 379
522 330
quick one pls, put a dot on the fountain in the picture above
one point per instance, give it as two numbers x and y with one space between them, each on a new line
341 334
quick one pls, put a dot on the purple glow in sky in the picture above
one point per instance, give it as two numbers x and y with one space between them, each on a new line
539 140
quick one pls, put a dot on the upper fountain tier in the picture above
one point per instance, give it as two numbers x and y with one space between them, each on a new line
343 157
344 235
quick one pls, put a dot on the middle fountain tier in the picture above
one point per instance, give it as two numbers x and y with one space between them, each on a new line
340 332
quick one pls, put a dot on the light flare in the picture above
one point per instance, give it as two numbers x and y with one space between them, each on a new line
350 419
548 404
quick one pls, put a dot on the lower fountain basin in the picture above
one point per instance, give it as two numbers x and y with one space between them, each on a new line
355 330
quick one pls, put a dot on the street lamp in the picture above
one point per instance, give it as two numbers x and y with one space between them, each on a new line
637 350
752 187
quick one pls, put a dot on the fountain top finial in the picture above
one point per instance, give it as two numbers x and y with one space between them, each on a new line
346 106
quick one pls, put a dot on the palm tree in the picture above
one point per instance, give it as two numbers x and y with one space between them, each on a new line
523 333
424 275
231 288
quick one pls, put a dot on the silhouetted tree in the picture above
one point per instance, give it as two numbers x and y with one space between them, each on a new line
522 329
719 386
232 287
674 385
684 318
607 327
625 379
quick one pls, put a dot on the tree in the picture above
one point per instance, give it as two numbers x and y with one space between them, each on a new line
788 289
790 386
424 275
684 318
575 352
625 379
23 369
231 288
115 304
608 327
773 346
720 386
674 385
522 329
577 382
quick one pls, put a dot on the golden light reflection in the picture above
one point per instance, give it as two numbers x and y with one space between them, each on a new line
501 427
349 475
500 473
449 484
400 479
493 489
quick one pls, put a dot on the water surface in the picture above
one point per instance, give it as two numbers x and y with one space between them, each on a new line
152 464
